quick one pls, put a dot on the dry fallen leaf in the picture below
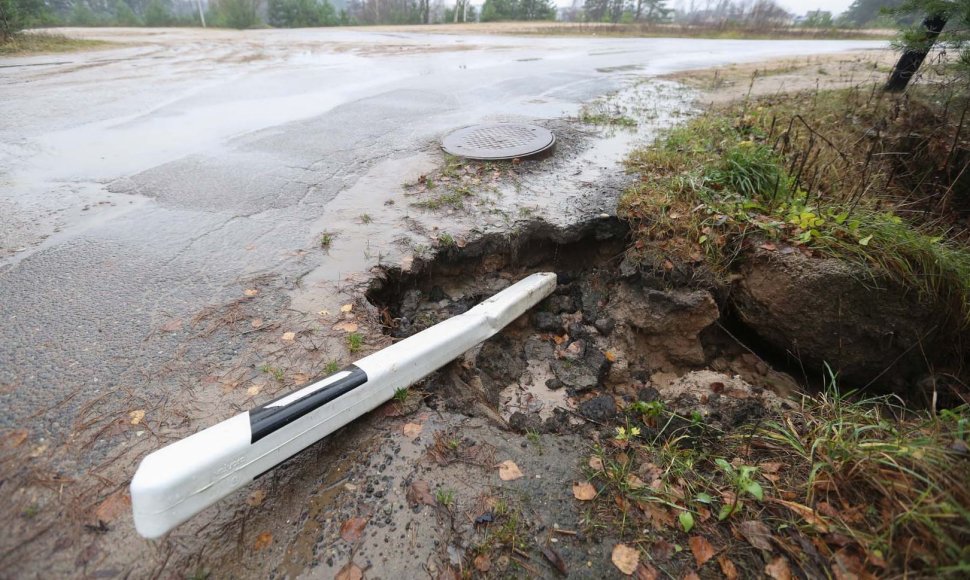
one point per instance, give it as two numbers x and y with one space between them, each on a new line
584 491
625 558
288 336
728 568
250 292
254 390
137 416
350 571
482 563
419 492
555 559
508 471
346 308
346 326
778 569
756 533
411 430
805 512
634 482
596 463
256 498
702 549
300 378
113 506
263 541
352 529
646 571
256 322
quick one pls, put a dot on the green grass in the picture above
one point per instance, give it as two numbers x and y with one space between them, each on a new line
726 176
401 395
43 42
446 240
365 218
276 372
445 497
355 341
454 199
835 470
332 367
326 240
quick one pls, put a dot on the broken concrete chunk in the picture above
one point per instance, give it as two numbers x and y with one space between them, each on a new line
600 408
575 375
548 322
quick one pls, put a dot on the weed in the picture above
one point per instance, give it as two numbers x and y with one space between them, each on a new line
401 395
355 341
326 240
454 199
445 497
332 367
625 434
277 372
446 240
742 479
35 43
31 511
365 218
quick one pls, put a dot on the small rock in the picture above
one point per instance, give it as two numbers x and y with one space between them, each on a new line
523 423
437 295
600 408
547 322
575 375
575 351
554 384
648 395
605 326
559 303
577 330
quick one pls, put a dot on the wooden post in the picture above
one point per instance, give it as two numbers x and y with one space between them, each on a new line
913 58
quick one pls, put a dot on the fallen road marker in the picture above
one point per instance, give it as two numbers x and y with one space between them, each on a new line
178 481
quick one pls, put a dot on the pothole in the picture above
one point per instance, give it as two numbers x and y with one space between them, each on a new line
608 336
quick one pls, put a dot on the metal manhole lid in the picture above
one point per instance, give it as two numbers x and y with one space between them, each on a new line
498 141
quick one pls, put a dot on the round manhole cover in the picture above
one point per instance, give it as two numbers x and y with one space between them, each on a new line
498 141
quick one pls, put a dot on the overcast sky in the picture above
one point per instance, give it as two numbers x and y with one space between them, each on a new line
803 6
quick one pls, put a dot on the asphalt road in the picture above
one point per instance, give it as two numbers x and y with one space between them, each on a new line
143 182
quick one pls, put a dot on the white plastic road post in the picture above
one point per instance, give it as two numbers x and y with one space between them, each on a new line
178 481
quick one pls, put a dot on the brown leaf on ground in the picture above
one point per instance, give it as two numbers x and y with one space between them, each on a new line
172 325
584 491
482 563
805 512
346 326
508 471
596 463
646 572
352 529
288 336
263 541
778 569
728 568
634 482
448 573
350 571
756 533
250 292
300 378
420 493
411 430
256 498
770 466
691 576
662 550
555 559
660 517
625 558
702 549
113 506
346 308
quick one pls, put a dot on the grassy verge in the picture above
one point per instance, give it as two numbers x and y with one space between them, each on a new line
835 487
710 32
42 42
817 173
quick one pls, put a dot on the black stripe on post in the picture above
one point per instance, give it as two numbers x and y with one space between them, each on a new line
271 416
